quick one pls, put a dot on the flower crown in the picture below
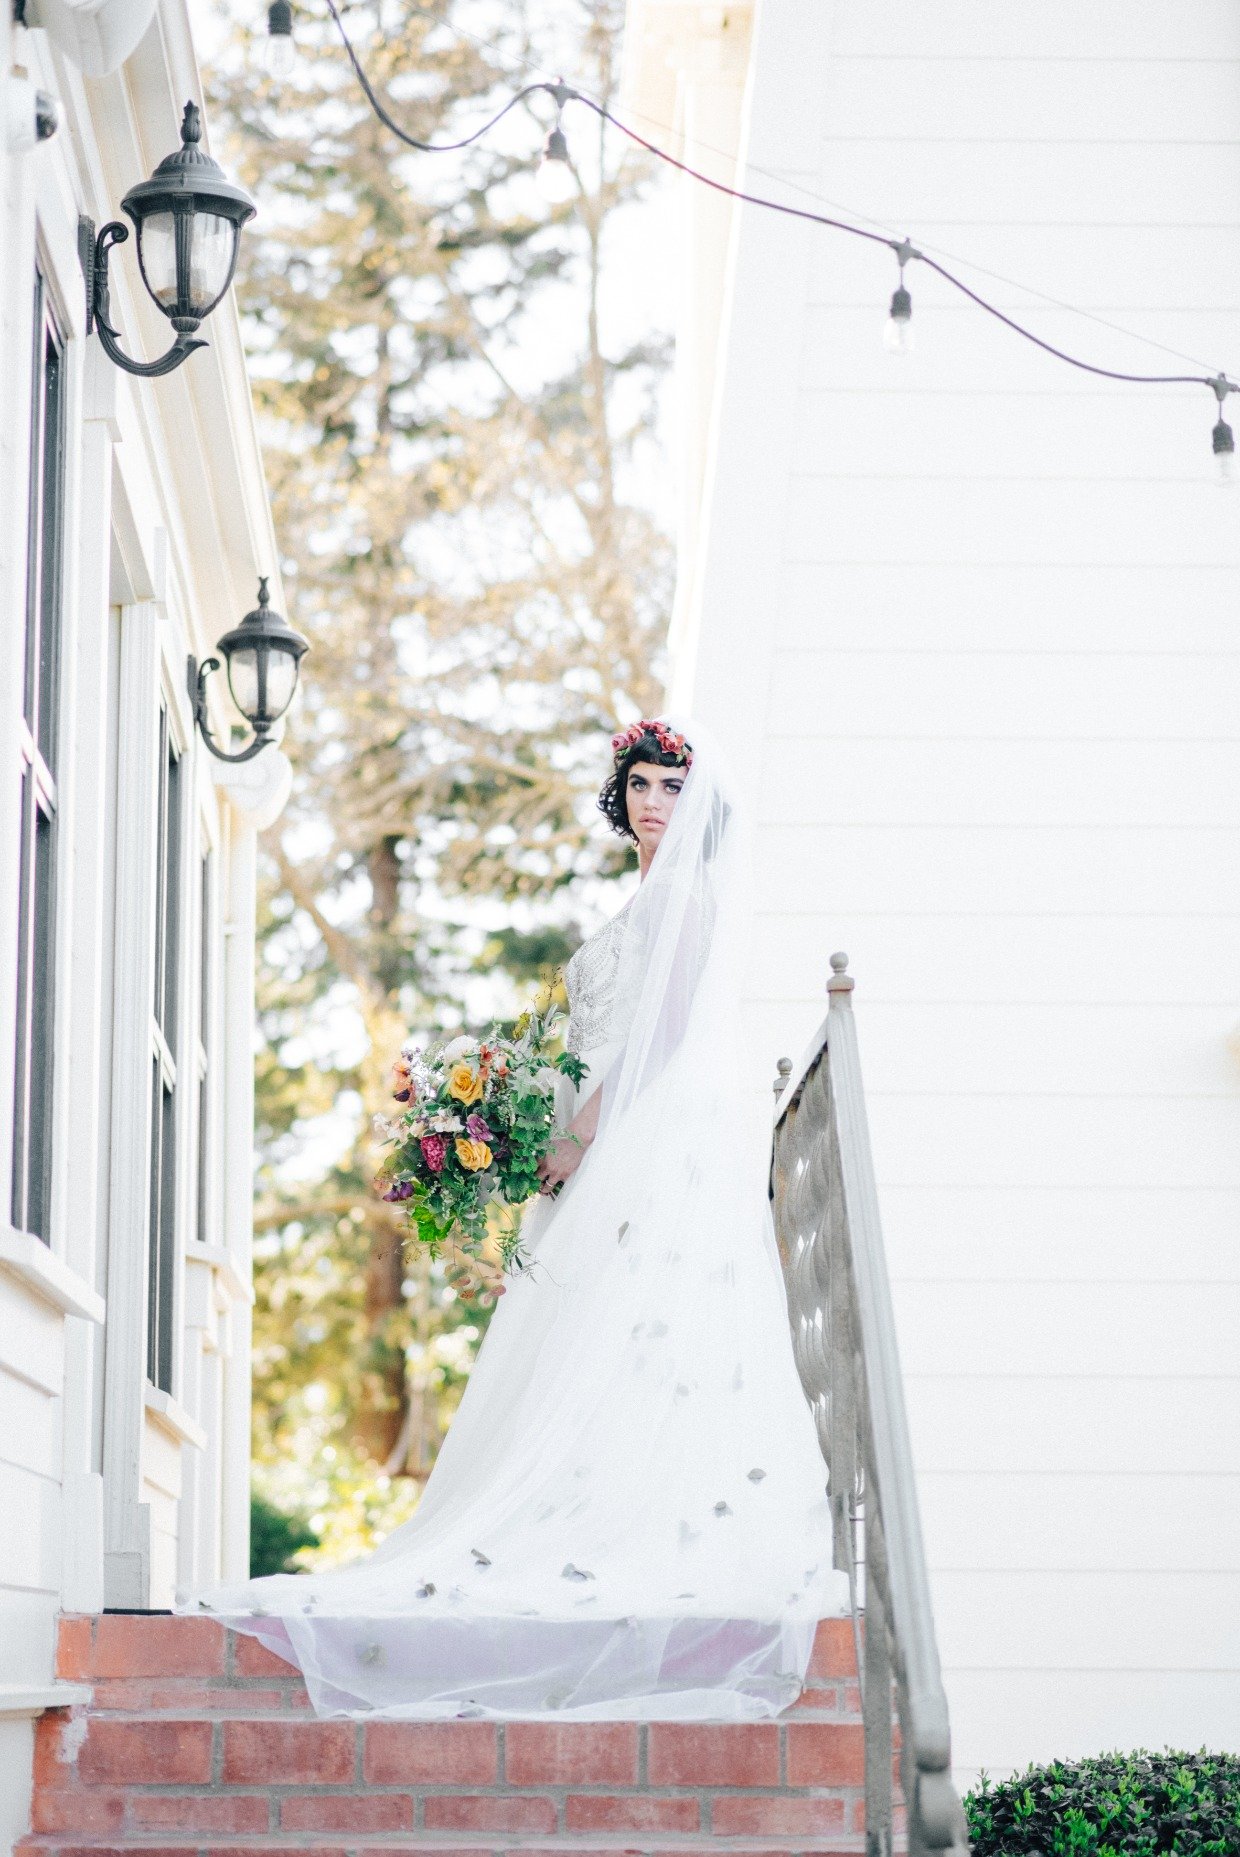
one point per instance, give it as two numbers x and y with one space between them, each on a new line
668 740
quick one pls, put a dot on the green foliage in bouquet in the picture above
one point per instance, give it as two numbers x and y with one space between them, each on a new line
1117 1805
478 1118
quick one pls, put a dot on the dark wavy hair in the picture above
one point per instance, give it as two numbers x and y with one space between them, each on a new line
612 802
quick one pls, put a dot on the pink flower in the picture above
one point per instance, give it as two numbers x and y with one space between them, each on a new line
477 1129
434 1152
669 741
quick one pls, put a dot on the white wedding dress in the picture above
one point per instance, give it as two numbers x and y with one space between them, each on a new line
627 1519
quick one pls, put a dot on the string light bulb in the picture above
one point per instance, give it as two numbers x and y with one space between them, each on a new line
277 50
1224 453
556 180
1223 439
898 330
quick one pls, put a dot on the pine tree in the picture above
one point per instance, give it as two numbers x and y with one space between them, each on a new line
447 435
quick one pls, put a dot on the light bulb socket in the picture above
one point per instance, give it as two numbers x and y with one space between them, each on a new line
1223 440
901 305
556 147
280 19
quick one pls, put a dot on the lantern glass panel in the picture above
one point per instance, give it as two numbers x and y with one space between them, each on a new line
281 682
212 240
243 679
158 237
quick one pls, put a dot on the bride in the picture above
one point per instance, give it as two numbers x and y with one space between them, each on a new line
627 1519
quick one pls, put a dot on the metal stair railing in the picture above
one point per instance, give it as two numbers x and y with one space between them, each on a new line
843 1330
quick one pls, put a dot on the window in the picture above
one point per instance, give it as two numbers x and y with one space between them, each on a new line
161 1228
205 1004
32 1121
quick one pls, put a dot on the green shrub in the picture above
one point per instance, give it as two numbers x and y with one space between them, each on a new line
275 1537
1117 1805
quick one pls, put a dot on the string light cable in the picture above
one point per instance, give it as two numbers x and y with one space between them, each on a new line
556 174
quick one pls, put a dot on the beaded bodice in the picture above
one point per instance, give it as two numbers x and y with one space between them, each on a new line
590 977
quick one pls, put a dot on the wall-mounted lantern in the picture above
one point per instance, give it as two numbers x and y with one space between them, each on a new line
188 219
263 655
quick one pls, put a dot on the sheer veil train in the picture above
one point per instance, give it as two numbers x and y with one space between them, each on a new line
627 1519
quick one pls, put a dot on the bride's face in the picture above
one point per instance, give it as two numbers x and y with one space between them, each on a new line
650 795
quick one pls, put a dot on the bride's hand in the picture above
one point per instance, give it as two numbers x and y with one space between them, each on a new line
561 1160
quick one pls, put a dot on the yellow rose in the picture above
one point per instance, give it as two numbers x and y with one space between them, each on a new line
465 1083
473 1155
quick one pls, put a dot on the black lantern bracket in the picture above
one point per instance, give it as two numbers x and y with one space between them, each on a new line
186 184
196 675
263 633
93 249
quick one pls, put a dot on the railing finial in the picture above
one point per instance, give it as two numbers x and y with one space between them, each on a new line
784 1069
841 983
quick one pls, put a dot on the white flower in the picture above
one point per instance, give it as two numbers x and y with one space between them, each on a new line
460 1047
385 1128
544 1079
443 1122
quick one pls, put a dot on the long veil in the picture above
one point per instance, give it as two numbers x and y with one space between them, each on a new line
627 1518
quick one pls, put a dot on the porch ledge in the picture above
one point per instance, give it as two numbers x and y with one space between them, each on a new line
47 1276
14 1700
164 1411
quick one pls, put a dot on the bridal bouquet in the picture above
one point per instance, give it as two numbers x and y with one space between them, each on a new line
477 1118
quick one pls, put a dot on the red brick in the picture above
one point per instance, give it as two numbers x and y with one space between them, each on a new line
73 1648
630 1812
734 1816
146 1753
145 1644
114 1850
199 1812
727 1754
443 1753
275 1753
820 1698
826 1754
200 1849
77 1810
55 1741
251 1658
347 1812
571 1754
487 1812
834 1650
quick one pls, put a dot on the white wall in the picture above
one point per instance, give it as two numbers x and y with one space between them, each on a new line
112 1490
971 618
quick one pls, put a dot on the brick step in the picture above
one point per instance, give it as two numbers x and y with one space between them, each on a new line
424 1846
197 1740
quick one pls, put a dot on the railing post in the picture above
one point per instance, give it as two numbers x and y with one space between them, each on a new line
876 1691
841 983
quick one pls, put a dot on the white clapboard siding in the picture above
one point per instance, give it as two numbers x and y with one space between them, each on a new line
969 618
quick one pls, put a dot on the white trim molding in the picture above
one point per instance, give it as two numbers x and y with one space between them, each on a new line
47 1276
166 1412
16 1700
